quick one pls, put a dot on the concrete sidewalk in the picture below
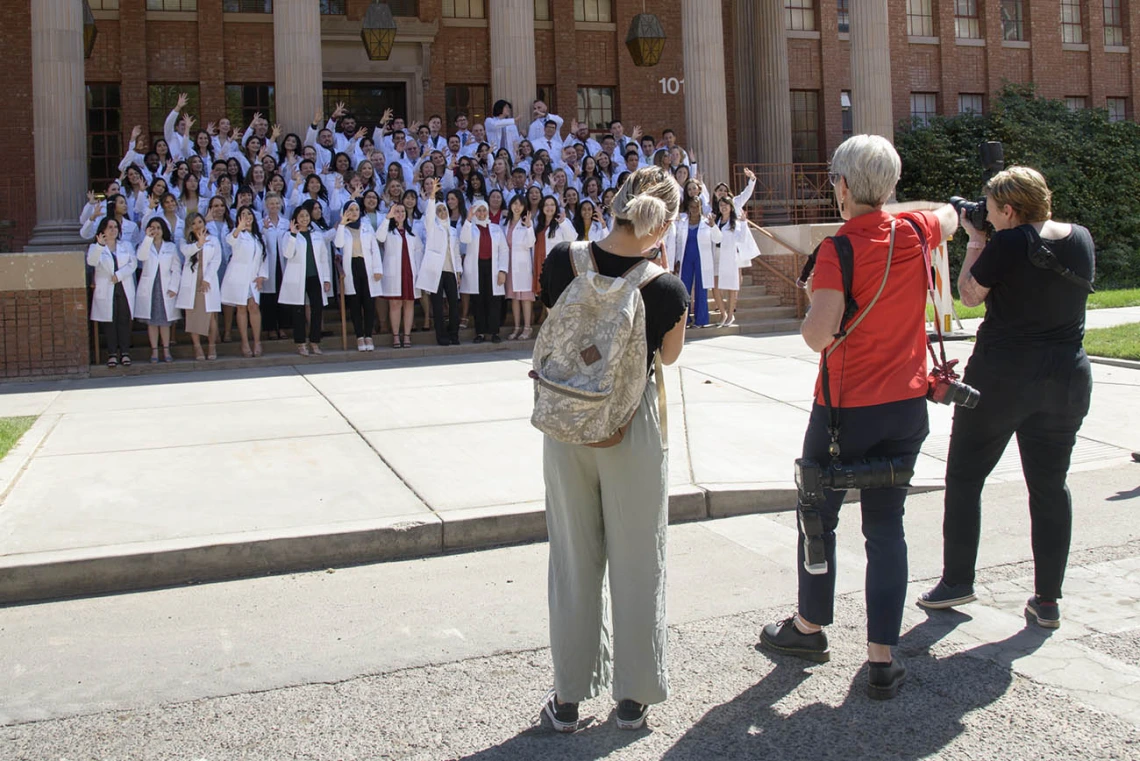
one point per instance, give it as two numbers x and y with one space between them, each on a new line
142 482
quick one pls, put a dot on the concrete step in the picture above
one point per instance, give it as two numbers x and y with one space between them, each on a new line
762 314
750 301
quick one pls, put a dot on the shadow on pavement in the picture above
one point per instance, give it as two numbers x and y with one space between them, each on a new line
597 740
1121 496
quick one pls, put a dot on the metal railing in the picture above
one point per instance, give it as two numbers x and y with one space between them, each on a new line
788 194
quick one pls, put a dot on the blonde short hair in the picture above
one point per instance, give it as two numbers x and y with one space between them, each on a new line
647 200
1025 190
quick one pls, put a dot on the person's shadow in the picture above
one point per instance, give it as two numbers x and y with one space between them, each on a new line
915 725
598 739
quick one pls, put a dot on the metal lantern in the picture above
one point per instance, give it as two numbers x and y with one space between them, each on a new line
378 31
89 30
646 39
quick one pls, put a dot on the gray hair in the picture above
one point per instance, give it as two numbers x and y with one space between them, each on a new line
871 167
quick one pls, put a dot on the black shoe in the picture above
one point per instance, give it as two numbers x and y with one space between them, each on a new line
947 596
885 679
1046 614
443 341
496 339
479 339
1136 457
783 637
631 714
455 341
563 716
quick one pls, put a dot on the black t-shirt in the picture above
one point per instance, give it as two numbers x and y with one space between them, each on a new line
666 299
1028 306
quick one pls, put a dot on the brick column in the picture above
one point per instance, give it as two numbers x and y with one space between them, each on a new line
211 75
59 106
512 56
297 65
565 62
773 110
706 112
744 71
132 56
871 69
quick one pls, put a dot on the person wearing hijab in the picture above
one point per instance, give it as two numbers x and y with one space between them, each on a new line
484 270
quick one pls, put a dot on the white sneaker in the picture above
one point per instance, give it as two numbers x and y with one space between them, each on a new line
368 345
361 345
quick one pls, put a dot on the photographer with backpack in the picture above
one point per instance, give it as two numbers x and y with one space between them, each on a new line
615 317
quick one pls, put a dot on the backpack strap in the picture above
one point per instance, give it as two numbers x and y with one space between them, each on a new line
643 273
846 255
581 258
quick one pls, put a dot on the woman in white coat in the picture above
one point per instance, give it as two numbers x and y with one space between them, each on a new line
440 268
588 222
198 292
159 281
484 270
273 227
402 253
113 302
114 207
520 270
727 256
695 238
308 274
362 264
241 287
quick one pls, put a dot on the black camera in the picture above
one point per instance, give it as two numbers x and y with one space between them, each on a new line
943 387
993 161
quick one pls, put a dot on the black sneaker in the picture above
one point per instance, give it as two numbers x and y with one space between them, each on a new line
631 714
496 339
479 339
783 637
885 679
1046 614
947 596
563 716
454 341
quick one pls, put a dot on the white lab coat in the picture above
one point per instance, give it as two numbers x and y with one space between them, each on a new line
165 265
272 236
563 233
441 244
107 263
734 254
744 197
371 253
501 133
209 262
180 146
707 237
500 258
394 259
520 247
246 265
128 231
538 127
292 290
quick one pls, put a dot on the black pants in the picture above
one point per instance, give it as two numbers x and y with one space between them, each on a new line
314 289
117 332
1042 397
894 429
270 318
448 289
487 305
361 307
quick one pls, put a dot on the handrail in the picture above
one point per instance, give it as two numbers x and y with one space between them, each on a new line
801 309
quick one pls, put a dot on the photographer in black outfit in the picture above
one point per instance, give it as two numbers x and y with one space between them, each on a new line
1034 276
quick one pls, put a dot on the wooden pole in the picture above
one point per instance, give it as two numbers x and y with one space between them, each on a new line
343 325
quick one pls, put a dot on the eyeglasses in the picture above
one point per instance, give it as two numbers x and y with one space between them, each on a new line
834 178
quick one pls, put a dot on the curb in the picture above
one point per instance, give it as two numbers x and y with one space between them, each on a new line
1113 362
126 568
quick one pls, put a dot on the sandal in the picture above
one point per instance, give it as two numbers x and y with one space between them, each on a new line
213 353
246 352
303 349
513 336
396 342
112 361
463 324
199 356
407 344
525 335
257 351
316 349
125 360
166 357
154 356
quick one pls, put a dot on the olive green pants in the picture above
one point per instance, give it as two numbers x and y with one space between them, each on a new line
609 506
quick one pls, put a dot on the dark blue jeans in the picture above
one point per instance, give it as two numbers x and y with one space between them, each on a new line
1042 397
896 429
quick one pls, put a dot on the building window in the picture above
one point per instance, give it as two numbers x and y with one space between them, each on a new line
923 107
464 9
247 6
172 5
1013 20
1071 31
406 8
971 103
162 99
1113 23
967 25
596 107
243 101
845 118
1075 102
104 5
332 7
593 10
545 93
1117 109
472 100
844 11
542 10
799 15
919 18
805 126
104 134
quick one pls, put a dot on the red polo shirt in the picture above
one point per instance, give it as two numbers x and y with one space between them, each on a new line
884 358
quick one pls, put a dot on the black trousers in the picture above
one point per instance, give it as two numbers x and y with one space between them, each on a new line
314 290
896 429
487 305
117 332
361 307
448 289
1041 396
270 318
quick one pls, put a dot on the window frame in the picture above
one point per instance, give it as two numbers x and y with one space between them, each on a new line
602 10
843 16
545 13
588 118
800 15
104 5
333 8
1015 23
243 112
1072 32
967 21
920 12
451 9
110 135
1076 102
1114 29
170 99
923 116
981 102
247 6
846 115
1113 115
473 115
179 3
801 152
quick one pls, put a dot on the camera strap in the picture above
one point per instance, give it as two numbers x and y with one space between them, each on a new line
933 293
1041 256
847 268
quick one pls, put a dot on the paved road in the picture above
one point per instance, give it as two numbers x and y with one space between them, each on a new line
445 658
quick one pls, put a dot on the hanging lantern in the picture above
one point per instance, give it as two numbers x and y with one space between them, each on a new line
89 30
378 31
645 40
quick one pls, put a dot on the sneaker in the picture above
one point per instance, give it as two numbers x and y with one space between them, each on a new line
479 339
947 596
783 637
1046 614
563 716
631 714
885 679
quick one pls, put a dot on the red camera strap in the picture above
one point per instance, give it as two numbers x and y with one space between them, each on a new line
932 292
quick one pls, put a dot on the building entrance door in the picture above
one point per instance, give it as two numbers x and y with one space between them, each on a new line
367 100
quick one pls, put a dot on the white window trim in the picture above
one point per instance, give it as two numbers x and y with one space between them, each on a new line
970 42
247 18
1116 48
1020 44
172 15
801 34
468 23
1075 46
595 26
924 40
539 24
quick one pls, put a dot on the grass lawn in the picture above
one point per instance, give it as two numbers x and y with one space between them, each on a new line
1127 297
11 429
1121 342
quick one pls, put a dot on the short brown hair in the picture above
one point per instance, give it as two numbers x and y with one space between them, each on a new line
1025 190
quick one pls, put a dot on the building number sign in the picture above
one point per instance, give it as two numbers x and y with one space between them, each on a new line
671 85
